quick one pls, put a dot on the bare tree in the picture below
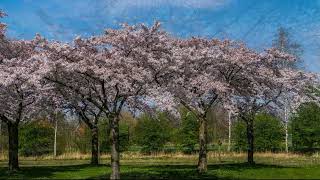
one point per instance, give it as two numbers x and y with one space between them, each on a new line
283 42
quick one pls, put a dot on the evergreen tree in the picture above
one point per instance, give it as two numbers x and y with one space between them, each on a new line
306 128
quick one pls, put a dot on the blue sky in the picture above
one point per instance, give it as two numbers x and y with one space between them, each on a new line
252 21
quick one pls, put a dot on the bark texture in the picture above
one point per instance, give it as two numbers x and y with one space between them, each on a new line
115 153
13 147
250 139
203 131
94 146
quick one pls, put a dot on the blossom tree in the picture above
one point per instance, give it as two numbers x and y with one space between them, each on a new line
198 79
195 83
20 92
260 85
65 85
205 72
104 74
79 106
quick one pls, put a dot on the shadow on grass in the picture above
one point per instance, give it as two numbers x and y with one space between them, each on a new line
134 171
182 171
243 166
39 172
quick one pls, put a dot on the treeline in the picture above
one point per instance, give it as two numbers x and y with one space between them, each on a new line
149 134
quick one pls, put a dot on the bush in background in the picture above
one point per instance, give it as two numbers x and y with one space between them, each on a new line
152 133
36 138
305 128
188 132
268 134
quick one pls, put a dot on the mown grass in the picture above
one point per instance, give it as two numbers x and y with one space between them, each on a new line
172 166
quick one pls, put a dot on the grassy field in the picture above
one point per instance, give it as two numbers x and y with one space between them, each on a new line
172 166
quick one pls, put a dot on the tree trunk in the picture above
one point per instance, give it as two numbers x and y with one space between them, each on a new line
203 130
94 146
287 136
286 125
13 147
1 146
229 131
55 139
115 154
250 138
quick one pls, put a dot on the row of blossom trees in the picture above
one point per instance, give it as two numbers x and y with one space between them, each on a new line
139 67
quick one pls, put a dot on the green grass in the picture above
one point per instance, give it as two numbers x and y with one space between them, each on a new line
224 171
183 167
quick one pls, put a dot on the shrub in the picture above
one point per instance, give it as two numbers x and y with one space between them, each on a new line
36 139
152 133
239 136
269 133
188 133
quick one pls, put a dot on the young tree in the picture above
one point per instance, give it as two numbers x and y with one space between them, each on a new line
55 137
229 129
284 43
53 113
107 73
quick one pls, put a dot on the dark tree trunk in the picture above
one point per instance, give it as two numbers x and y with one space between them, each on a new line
94 146
13 147
203 130
115 153
250 138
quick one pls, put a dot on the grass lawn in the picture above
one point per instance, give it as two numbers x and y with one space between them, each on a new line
183 167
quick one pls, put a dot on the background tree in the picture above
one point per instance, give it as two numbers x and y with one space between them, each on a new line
284 43
152 133
305 126
188 132
240 136
260 88
268 133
